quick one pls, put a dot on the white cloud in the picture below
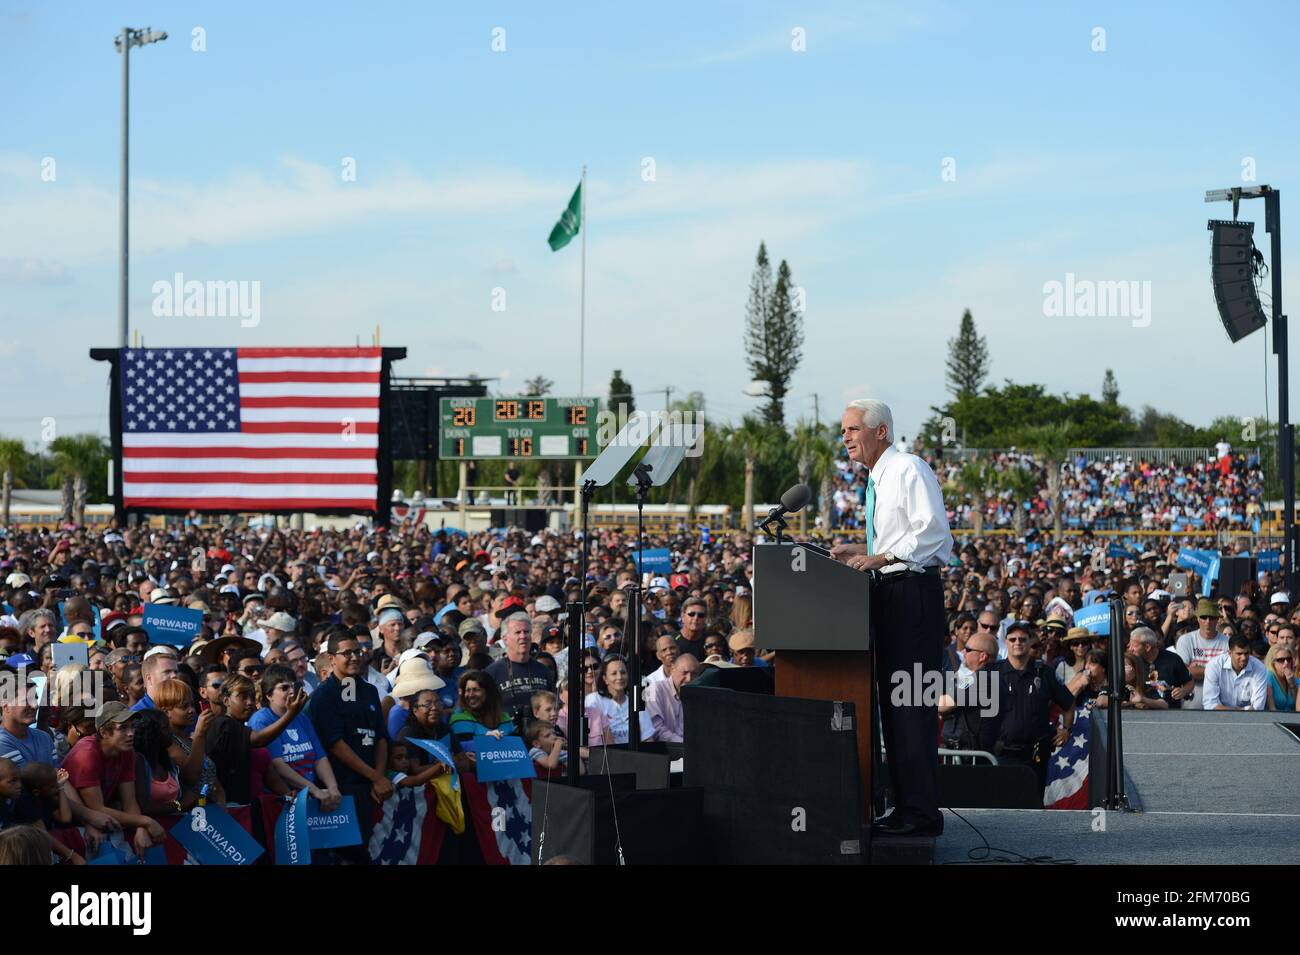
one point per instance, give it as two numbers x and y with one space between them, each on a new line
871 23
78 220
33 271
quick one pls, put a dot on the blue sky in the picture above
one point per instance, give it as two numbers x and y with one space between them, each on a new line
1067 160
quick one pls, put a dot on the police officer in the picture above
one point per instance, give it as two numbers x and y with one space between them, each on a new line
961 715
1021 732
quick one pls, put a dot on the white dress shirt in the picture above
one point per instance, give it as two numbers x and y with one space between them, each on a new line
1224 685
910 520
657 676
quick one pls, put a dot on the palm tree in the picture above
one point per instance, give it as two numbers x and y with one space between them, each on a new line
1050 443
13 457
692 414
1022 483
74 458
815 454
974 480
751 442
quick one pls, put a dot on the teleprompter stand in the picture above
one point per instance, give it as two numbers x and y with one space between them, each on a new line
668 448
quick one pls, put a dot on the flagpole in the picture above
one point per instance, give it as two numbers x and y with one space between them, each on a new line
582 296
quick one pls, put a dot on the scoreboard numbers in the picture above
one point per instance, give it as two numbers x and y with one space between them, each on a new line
517 427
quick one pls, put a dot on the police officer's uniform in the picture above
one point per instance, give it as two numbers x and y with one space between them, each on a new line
1021 731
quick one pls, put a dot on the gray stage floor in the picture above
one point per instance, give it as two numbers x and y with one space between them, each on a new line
1212 788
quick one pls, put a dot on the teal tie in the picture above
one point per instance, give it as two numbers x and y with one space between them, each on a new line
870 512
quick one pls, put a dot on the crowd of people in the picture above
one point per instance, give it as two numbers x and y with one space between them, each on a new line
323 653
1018 612
1221 490
444 637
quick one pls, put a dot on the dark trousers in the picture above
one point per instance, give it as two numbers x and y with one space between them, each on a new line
365 806
908 628
1034 755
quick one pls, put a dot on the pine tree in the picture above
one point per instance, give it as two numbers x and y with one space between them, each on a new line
621 402
968 359
1110 389
773 333
536 387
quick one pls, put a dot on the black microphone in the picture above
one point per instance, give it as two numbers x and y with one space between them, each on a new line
795 499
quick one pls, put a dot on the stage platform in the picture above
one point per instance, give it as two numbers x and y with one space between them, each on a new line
1209 787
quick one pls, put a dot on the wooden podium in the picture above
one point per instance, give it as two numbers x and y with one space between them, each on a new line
815 613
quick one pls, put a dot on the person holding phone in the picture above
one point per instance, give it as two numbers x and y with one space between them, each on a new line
296 754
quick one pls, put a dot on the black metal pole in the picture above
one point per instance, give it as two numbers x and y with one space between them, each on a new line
114 357
577 701
634 702
384 482
1285 435
1116 798
577 611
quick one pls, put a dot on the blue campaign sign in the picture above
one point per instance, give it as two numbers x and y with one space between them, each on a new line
113 850
1119 553
116 851
706 536
292 837
1094 618
1197 560
505 758
439 752
1268 560
654 561
1210 576
332 830
214 837
177 626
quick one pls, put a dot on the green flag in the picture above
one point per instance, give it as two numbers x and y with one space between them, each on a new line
569 224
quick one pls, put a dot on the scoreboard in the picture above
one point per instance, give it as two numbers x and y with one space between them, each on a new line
523 427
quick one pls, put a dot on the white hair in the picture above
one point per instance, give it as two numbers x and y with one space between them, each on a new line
874 414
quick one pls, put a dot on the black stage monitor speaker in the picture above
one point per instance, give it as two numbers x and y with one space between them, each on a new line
780 777
1008 786
650 769
1232 254
595 826
413 429
1233 573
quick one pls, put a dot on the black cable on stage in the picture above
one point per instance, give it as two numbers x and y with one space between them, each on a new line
988 851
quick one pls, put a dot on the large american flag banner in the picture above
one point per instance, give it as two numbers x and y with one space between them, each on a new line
250 429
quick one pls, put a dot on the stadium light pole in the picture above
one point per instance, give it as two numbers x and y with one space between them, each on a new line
1285 431
128 38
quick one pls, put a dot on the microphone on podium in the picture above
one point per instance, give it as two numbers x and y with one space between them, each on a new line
795 499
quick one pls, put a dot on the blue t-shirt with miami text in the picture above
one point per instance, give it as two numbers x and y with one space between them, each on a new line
298 745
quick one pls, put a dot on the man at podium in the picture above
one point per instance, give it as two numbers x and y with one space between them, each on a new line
907 545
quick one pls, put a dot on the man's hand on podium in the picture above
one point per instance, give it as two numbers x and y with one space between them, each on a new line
863 562
855 556
842 552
